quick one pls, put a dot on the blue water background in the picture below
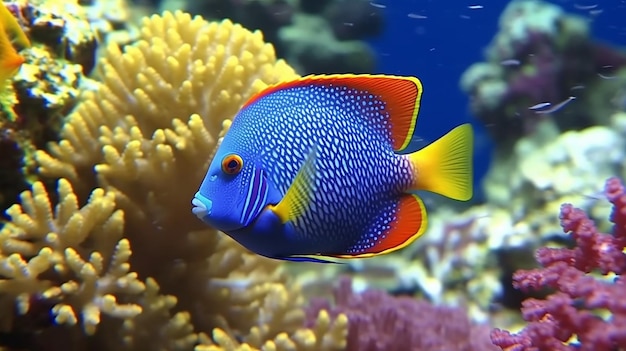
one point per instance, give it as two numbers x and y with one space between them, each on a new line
438 48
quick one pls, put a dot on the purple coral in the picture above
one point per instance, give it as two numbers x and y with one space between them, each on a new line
379 321
571 311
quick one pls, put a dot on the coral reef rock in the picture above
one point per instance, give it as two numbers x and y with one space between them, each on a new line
44 90
541 64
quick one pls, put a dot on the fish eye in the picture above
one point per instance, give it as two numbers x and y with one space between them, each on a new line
232 164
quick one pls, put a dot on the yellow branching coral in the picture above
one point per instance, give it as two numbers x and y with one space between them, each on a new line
41 246
156 328
182 66
326 334
144 137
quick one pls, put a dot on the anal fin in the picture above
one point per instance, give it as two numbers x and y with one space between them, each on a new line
308 258
408 224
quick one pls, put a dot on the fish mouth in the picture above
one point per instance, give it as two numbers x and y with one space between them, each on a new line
201 206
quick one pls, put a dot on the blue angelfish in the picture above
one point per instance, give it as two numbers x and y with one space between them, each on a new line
312 170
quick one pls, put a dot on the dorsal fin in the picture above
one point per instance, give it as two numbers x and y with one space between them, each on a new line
401 96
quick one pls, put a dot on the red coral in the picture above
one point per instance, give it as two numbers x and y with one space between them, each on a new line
571 311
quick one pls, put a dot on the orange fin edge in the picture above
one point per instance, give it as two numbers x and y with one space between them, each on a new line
401 94
410 224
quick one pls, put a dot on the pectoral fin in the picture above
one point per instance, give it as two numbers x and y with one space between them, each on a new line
300 193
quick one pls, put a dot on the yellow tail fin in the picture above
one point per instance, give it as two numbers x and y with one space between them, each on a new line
445 166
